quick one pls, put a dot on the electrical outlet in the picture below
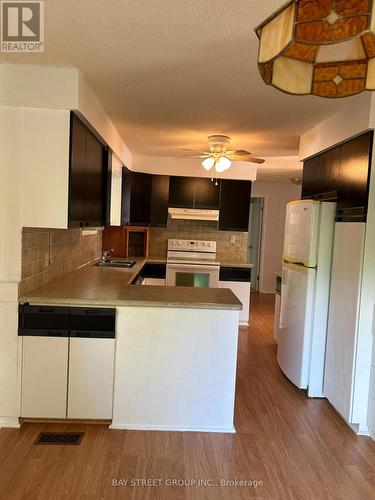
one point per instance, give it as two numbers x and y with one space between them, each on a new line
233 239
46 259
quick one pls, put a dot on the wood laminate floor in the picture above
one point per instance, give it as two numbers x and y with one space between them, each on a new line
298 448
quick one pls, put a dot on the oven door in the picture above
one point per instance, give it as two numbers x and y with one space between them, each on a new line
201 276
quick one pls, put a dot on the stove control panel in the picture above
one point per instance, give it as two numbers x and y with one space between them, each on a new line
192 245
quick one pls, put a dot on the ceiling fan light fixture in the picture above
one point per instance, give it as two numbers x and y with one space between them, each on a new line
222 164
208 163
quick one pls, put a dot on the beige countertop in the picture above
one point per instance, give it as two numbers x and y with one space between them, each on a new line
98 286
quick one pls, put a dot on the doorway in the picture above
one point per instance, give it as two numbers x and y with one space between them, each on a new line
255 239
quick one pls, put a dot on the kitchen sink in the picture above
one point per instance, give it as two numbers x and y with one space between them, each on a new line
127 264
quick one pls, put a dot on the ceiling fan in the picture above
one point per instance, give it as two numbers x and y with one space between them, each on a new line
220 157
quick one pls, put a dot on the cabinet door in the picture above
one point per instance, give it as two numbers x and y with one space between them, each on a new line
95 182
310 179
140 199
125 198
181 192
90 392
242 291
329 164
44 377
159 201
115 238
207 194
234 205
320 175
354 172
77 175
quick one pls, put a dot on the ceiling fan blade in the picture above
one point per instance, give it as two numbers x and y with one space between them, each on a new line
195 151
203 156
241 152
252 159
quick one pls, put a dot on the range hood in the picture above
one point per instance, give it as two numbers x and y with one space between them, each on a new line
194 214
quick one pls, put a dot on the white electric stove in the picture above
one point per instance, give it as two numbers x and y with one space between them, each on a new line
192 263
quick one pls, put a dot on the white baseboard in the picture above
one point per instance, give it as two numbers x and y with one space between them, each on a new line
315 394
244 323
360 430
10 422
167 428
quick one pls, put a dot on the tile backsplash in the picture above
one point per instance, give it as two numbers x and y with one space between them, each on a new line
227 250
50 253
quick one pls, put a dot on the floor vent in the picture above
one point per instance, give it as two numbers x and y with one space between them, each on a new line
59 438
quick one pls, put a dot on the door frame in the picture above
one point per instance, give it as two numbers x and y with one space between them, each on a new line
262 238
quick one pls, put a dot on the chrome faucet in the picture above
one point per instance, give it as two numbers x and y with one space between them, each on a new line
106 255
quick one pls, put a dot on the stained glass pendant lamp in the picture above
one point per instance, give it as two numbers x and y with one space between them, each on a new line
320 47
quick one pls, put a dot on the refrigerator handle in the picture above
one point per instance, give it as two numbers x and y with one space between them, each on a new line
284 298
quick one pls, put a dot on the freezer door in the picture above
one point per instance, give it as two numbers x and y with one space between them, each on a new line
301 232
296 323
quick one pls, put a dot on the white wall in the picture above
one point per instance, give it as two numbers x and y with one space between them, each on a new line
10 274
366 314
41 140
371 409
356 117
49 87
116 191
91 109
353 119
34 100
277 195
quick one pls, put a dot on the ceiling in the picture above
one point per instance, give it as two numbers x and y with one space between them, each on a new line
171 72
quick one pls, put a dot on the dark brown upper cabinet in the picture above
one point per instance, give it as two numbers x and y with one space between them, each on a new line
144 199
88 179
194 192
234 205
321 174
159 200
136 197
77 177
207 194
354 176
181 192
342 174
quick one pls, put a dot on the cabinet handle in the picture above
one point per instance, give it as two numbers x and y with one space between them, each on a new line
78 333
56 334
46 310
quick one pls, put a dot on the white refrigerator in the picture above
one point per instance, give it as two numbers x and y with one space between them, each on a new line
306 274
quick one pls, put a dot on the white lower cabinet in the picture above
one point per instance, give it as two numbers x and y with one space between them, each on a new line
242 292
67 378
44 377
90 390
154 281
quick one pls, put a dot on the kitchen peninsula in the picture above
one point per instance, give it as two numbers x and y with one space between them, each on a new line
175 352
